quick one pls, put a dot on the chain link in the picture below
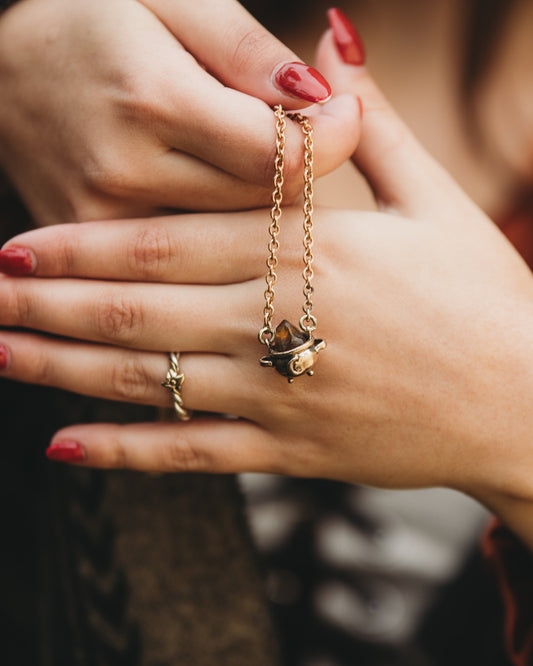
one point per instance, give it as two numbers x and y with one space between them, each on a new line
308 322
266 334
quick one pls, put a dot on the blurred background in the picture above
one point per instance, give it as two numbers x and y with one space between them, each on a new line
387 578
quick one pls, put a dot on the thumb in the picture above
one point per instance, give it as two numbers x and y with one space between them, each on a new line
399 170
240 52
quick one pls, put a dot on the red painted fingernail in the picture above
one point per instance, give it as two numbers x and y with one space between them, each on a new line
3 357
300 80
16 261
66 451
347 39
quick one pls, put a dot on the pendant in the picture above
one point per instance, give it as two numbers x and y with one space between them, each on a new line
293 352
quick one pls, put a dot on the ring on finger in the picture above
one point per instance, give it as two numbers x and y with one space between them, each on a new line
174 381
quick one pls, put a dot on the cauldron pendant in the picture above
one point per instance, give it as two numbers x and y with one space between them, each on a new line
293 352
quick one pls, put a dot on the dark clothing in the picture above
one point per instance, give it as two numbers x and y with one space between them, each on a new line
111 568
118 568
513 565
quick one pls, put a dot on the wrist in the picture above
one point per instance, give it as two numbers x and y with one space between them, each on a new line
503 453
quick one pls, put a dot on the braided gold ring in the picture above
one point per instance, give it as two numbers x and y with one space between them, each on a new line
173 382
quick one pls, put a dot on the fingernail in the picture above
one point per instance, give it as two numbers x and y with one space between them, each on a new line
16 261
67 451
4 357
300 80
348 41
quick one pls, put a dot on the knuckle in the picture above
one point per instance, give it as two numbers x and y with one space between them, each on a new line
180 455
130 381
64 252
116 453
151 252
109 174
19 306
42 368
252 46
141 97
118 318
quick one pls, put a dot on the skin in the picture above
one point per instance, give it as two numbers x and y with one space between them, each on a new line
119 116
425 306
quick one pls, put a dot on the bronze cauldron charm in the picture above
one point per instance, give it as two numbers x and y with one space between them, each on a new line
293 352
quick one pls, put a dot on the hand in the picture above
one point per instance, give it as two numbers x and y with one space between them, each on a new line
115 108
426 311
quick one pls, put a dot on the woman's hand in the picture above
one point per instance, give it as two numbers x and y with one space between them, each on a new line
427 314
117 108
422 383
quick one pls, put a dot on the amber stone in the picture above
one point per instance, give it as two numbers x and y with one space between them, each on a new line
287 337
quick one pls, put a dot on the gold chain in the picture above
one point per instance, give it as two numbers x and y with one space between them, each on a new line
308 322
266 334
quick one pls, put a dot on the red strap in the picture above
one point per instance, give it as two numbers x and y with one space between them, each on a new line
517 225
513 566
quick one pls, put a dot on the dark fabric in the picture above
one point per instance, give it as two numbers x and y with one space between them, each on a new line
465 625
117 568
513 566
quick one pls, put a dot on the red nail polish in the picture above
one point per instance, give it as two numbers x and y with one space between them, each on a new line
347 39
16 261
302 81
67 451
3 357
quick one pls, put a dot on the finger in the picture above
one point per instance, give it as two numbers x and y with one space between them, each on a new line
232 135
185 249
155 177
175 249
240 52
222 160
174 179
200 445
213 382
401 173
240 139
149 317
